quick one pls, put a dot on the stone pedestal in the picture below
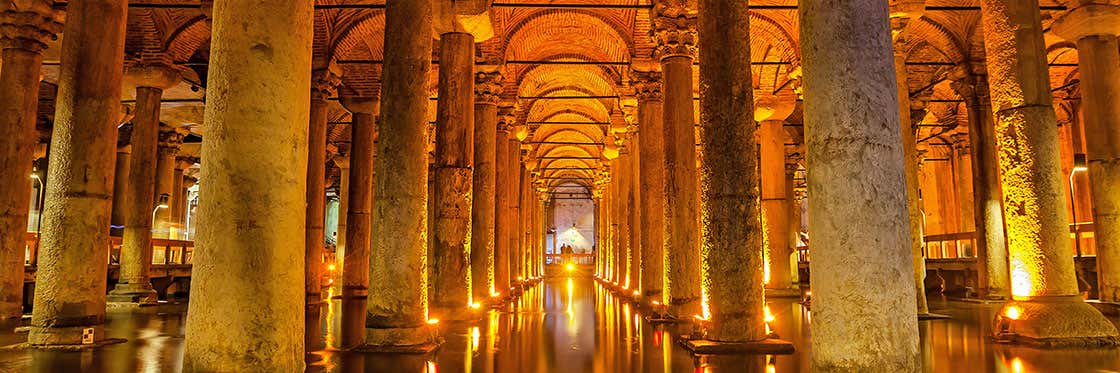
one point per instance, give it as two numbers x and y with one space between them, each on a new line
355 263
396 311
246 311
675 33
450 264
651 162
24 36
1038 245
858 181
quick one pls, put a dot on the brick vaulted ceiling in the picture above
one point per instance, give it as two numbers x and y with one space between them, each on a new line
533 37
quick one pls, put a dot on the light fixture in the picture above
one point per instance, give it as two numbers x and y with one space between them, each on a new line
1079 164
161 205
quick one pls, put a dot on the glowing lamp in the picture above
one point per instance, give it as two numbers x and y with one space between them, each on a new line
475 305
1013 312
637 293
611 150
521 132
571 267
769 316
433 321
331 267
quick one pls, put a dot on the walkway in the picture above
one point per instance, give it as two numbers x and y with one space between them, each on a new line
568 325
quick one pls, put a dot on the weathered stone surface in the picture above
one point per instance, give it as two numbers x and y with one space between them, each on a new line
355 265
651 162
254 171
483 208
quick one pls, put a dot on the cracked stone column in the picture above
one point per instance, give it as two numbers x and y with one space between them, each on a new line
73 260
487 91
503 223
254 192
675 34
397 307
454 161
991 239
135 285
323 84
731 241
355 263
651 162
858 181
1043 282
26 30
1094 28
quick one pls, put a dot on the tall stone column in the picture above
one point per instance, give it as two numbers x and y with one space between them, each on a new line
913 185
342 161
675 34
775 204
178 196
524 206
651 164
1043 282
454 162
635 219
397 307
991 239
515 212
487 91
617 249
136 244
247 309
623 215
323 84
70 291
731 241
120 185
27 28
1094 28
170 141
858 181
360 176
503 222
794 214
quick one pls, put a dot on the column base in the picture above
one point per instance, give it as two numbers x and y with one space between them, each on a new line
416 340
67 338
133 293
767 346
1054 322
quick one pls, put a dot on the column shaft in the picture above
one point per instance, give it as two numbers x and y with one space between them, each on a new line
858 180
355 264
246 309
775 203
913 186
502 222
651 162
397 307
136 244
483 204
315 215
991 239
120 187
168 150
633 200
682 202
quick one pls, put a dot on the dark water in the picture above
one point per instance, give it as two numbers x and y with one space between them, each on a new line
569 325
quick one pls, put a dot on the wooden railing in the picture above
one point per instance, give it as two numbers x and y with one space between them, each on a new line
569 258
950 245
164 251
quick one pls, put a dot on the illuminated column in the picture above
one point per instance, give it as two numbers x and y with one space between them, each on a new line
623 215
675 33
794 214
29 26
858 181
651 162
323 84
731 247
513 159
962 180
359 199
991 239
1094 28
487 90
525 208
633 200
1043 282
618 247
913 196
776 205
170 140
73 260
136 244
454 162
342 161
254 175
120 185
397 308
178 196
503 222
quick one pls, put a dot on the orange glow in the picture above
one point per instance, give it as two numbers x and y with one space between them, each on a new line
1017 365
769 316
1013 312
571 267
331 267
637 293
432 368
433 321
495 294
1020 279
476 305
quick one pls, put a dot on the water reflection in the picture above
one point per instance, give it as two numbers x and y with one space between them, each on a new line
566 325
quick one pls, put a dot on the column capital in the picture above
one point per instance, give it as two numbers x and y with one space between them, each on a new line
1088 20
488 87
674 33
507 117
171 138
185 162
325 82
154 75
972 87
29 25
647 85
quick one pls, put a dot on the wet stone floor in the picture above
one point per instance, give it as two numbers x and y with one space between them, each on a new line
566 325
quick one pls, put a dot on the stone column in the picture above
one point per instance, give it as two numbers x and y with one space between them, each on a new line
858 181
618 251
913 185
503 224
1043 282
170 140
1094 28
794 216
515 212
775 204
487 91
623 215
120 185
651 162
962 180
731 241
27 28
991 239
355 263
397 308
635 219
675 34
342 161
178 196
454 160
524 201
73 260
323 84
246 311
136 244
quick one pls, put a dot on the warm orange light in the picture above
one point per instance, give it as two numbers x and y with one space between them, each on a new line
1012 312
769 316
519 278
1017 365
331 267
637 293
656 303
476 305
571 267
433 321
495 294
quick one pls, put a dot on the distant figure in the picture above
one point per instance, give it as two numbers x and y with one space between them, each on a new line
566 253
